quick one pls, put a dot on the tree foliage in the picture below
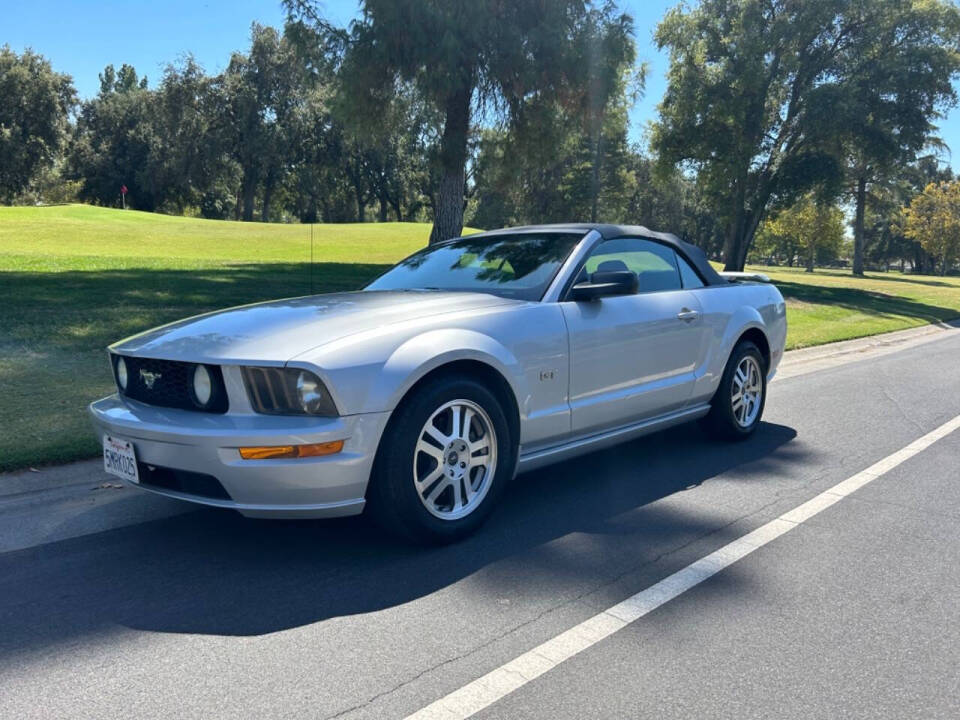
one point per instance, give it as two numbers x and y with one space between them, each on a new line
933 219
810 231
467 58
113 142
34 109
899 78
762 95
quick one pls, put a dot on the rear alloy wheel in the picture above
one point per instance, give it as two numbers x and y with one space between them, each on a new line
737 406
746 391
443 462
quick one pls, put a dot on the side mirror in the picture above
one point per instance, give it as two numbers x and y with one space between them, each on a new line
603 284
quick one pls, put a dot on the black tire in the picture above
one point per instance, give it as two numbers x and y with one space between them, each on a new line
721 421
392 496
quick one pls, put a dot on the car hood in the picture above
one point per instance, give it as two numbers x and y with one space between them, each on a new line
273 332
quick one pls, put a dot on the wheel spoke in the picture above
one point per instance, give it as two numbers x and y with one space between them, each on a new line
432 431
455 422
467 422
481 444
457 494
741 376
468 488
435 493
431 450
430 478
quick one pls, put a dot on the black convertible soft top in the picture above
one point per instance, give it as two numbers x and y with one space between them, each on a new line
694 255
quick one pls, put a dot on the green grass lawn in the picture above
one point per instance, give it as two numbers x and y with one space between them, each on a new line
831 305
73 279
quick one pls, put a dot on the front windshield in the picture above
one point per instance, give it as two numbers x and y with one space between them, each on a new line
514 266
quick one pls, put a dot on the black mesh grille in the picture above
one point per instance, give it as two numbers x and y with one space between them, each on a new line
169 383
183 481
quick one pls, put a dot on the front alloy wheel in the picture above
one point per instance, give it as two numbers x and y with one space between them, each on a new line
455 459
444 459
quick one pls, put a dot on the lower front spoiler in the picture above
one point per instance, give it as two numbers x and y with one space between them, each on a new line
276 512
169 442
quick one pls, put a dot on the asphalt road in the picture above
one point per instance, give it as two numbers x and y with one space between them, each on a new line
854 613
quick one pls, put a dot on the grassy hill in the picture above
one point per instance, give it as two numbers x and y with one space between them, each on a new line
75 278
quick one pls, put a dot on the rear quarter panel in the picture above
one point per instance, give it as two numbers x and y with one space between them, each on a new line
728 312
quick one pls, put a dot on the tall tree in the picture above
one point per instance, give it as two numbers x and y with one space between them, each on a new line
190 160
900 73
33 118
756 90
259 94
464 58
113 142
605 46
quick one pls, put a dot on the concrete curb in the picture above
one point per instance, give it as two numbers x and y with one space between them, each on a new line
49 477
821 357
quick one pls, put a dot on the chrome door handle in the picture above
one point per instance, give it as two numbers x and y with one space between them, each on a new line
687 315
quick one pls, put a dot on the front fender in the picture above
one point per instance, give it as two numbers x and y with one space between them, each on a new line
419 355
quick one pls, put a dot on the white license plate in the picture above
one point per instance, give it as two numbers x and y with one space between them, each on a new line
119 458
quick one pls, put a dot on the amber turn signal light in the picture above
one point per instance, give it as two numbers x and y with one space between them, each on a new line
291 451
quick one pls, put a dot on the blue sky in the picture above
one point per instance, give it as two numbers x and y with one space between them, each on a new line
80 38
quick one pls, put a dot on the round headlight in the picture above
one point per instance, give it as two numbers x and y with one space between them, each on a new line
122 377
202 385
309 393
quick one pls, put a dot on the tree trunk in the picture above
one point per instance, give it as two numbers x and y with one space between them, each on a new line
267 197
749 233
248 191
811 255
732 245
448 210
858 226
361 204
397 209
382 215
310 216
595 177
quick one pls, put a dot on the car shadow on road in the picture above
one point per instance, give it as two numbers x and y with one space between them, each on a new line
215 572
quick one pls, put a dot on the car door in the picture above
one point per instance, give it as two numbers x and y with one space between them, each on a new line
633 356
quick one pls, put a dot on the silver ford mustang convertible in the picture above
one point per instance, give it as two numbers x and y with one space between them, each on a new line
423 394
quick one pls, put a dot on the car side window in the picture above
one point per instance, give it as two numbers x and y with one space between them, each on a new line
655 264
688 275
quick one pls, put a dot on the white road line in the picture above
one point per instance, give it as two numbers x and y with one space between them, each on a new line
482 692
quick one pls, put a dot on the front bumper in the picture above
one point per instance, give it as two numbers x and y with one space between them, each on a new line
206 444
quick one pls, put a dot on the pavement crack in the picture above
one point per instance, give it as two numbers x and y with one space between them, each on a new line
899 406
